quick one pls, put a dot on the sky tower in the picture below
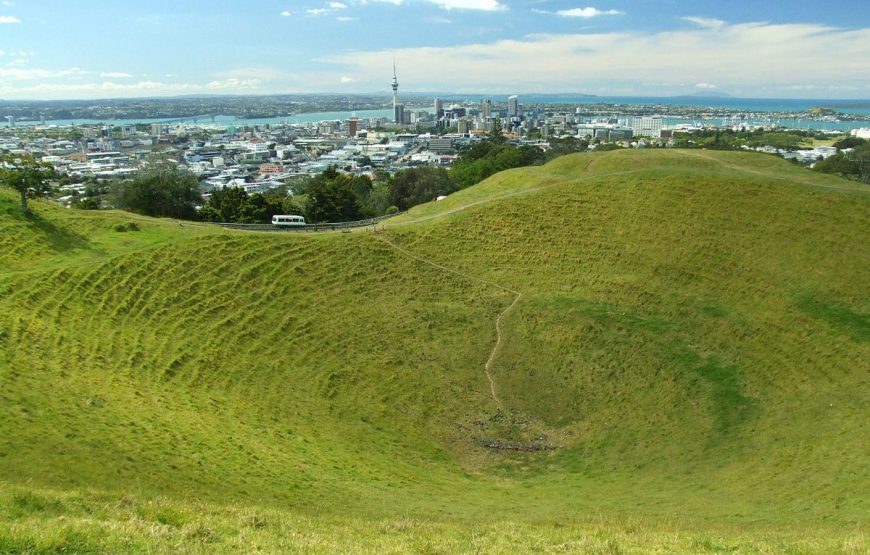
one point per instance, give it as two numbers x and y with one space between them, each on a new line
397 115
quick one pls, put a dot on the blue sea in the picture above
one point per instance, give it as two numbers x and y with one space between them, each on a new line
730 103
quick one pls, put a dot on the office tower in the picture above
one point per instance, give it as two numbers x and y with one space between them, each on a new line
487 109
647 126
398 113
513 106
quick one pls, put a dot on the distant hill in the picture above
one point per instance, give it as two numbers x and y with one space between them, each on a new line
655 350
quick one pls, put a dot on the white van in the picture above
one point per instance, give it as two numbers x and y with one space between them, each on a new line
287 220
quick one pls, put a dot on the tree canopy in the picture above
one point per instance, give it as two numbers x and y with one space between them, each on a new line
418 185
853 165
27 175
233 204
160 188
488 157
334 197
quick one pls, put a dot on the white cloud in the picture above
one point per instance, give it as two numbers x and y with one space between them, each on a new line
587 12
232 83
480 5
706 22
285 13
115 75
737 57
755 59
330 7
19 74
7 3
111 88
344 18
9 19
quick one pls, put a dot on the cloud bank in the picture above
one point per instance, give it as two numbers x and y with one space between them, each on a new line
759 57
745 59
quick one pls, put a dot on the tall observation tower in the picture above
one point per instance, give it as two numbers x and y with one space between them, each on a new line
398 109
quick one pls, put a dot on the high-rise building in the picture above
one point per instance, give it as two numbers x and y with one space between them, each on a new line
352 126
513 106
439 108
647 126
487 109
397 113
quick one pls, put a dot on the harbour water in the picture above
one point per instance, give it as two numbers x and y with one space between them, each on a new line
770 106
225 120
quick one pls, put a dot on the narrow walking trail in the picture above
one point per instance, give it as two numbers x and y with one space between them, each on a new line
499 341
495 350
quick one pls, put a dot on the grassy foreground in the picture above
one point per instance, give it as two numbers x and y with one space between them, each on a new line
47 522
690 345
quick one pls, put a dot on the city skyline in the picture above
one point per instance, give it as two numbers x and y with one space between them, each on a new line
71 50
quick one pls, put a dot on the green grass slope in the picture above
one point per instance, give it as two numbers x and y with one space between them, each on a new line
690 336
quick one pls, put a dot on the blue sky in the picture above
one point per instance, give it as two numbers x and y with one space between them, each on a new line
52 49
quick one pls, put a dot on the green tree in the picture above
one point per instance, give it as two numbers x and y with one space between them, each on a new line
853 165
849 142
837 164
225 205
486 158
27 175
331 198
362 187
861 157
291 205
379 199
418 185
160 188
260 208
87 203
565 145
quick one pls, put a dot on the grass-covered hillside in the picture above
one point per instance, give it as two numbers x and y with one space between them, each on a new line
677 341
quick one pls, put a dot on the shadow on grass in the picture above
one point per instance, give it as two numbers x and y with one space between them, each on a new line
58 239
841 317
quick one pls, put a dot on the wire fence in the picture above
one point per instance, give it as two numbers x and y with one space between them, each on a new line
333 226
